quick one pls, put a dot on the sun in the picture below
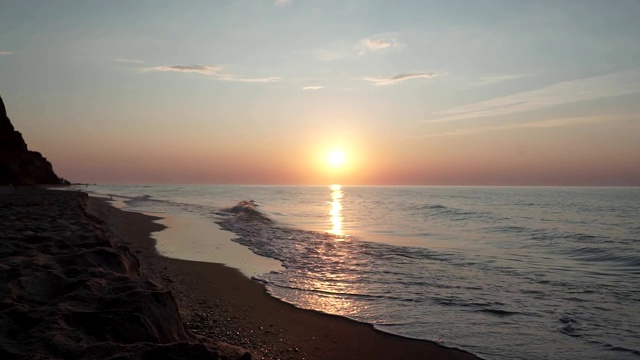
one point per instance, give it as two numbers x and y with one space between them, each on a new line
336 158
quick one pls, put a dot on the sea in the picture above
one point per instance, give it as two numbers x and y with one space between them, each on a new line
501 272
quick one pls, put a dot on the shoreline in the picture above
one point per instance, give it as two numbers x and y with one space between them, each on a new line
221 303
70 290
197 238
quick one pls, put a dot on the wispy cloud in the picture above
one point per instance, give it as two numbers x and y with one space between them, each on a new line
378 43
199 69
270 79
549 123
345 48
216 71
128 61
7 52
401 77
313 87
556 94
282 2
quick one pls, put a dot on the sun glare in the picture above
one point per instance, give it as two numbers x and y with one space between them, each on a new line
336 158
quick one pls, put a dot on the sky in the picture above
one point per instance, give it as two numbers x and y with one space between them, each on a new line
495 93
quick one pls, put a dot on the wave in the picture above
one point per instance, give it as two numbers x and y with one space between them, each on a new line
247 210
413 253
330 293
593 254
427 207
500 312
125 198
495 308
617 348
451 213
509 229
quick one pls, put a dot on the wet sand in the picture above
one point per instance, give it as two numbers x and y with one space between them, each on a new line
221 303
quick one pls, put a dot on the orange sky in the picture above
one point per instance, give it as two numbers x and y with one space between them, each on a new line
247 92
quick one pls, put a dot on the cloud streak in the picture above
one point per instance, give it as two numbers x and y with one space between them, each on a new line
282 2
378 43
313 87
198 69
270 79
556 94
216 71
549 123
7 52
346 49
401 77
128 61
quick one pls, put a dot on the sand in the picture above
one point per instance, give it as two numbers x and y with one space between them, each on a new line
77 286
71 290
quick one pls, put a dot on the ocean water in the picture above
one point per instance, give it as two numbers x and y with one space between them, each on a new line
502 272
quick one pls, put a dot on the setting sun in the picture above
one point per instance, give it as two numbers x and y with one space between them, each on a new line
336 158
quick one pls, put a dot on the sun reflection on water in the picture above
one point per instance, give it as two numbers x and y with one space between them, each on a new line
330 284
330 303
336 209
333 284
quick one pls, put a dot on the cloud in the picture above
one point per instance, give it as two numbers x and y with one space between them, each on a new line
216 71
313 87
7 52
549 123
199 69
344 48
378 43
250 80
556 94
401 77
128 61
282 2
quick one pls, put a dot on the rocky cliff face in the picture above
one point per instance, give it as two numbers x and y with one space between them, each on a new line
18 165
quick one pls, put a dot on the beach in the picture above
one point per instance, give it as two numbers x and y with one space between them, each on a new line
82 279
291 179
503 273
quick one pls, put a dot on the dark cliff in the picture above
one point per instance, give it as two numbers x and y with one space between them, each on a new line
18 165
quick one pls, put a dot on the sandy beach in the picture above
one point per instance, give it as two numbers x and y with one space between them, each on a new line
91 285
71 290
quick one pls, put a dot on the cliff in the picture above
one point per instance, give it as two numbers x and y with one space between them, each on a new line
18 165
